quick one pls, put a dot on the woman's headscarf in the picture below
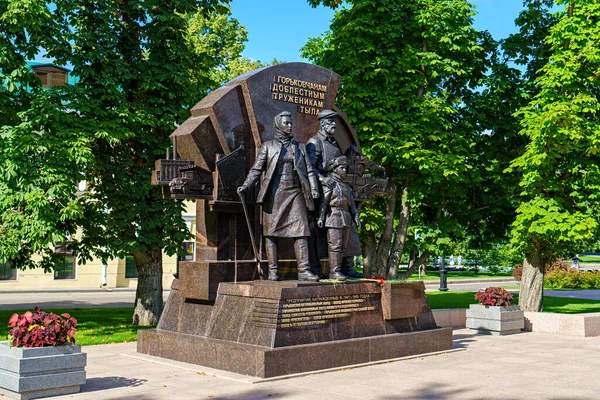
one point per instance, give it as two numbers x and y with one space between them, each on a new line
279 134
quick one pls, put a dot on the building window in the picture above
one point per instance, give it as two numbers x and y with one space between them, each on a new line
131 271
188 255
52 79
65 268
188 248
8 272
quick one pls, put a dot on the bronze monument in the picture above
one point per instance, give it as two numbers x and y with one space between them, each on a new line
219 313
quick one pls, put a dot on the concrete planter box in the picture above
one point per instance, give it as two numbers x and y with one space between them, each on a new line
31 373
495 320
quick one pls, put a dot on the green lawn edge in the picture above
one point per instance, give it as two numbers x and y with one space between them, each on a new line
94 325
561 305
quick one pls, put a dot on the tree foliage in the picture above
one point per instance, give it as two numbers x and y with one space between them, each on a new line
490 113
406 67
560 166
134 62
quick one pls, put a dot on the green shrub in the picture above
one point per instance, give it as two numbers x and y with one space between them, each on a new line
558 265
572 279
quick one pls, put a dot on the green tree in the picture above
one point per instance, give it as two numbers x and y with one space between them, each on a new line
560 166
405 67
488 115
217 40
40 160
134 63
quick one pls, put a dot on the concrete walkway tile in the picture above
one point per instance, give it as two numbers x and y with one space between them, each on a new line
534 390
522 366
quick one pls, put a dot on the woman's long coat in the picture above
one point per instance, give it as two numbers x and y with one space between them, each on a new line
266 162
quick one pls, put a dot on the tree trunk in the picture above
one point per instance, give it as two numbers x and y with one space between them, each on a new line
531 294
414 262
385 242
369 251
399 237
149 294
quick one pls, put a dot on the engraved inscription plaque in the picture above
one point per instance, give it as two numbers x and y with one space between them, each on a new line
311 311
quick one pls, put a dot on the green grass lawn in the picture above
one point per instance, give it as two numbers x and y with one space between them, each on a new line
435 275
94 325
561 305
589 259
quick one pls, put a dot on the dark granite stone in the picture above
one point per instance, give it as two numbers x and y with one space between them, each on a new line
185 316
402 325
389 346
402 299
229 318
169 319
197 141
425 319
264 362
194 317
241 359
311 357
405 307
289 313
201 280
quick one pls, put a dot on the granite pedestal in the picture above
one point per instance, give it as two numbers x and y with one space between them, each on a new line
268 329
34 372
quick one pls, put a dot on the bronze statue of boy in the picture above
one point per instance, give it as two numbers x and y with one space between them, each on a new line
337 211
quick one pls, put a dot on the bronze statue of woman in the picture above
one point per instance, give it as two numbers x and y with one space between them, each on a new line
287 190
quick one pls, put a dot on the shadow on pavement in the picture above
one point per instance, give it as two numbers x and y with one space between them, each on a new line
110 382
461 341
424 392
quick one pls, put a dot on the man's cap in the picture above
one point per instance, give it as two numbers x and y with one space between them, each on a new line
327 114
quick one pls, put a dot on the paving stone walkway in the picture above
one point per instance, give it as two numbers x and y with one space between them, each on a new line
521 366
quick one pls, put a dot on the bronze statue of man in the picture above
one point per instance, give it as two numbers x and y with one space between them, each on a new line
322 149
337 211
288 187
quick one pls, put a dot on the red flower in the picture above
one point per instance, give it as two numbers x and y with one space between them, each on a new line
40 329
494 296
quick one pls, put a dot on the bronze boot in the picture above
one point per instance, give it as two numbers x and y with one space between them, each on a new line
271 249
335 266
348 268
303 266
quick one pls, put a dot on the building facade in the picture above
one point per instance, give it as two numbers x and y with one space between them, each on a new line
117 273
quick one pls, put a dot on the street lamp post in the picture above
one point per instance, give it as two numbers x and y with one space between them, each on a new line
443 278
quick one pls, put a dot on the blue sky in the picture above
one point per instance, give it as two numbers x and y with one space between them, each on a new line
279 28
